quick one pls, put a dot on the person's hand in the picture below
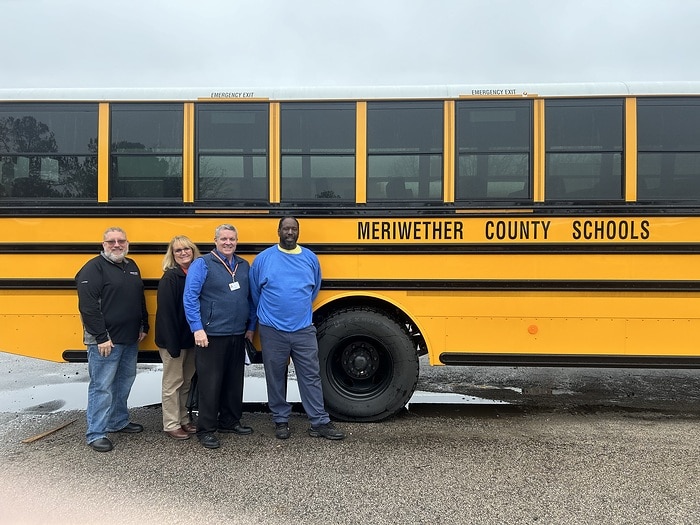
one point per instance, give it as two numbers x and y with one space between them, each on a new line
142 335
201 339
105 348
249 335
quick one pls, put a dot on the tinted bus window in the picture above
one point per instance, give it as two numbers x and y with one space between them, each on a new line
232 149
494 140
146 151
318 152
668 146
48 151
583 145
404 151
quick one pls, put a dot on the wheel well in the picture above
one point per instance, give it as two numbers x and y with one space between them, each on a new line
379 305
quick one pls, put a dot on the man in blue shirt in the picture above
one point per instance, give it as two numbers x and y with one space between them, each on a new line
220 313
284 281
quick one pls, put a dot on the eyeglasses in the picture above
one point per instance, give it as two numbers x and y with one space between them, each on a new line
115 241
180 250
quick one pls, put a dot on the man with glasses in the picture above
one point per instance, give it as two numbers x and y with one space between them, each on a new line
113 312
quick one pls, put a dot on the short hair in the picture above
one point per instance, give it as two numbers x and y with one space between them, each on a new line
285 218
229 227
113 229
183 241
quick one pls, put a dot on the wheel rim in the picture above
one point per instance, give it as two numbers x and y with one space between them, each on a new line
359 367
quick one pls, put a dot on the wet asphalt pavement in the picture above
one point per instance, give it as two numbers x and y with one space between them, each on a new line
570 446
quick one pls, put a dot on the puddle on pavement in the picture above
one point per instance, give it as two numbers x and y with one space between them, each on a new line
442 398
43 399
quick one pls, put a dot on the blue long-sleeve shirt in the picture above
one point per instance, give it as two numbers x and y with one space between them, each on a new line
211 303
283 285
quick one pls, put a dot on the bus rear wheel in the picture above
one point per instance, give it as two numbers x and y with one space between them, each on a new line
369 365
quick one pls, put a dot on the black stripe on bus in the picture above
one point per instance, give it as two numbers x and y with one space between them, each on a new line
506 249
44 248
80 356
380 249
503 285
55 284
231 209
487 359
466 285
568 360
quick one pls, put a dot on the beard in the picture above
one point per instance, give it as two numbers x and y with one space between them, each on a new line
117 258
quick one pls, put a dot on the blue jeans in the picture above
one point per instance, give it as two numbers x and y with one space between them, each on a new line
111 379
302 347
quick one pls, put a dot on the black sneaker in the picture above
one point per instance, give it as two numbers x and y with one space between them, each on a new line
132 428
208 441
101 445
327 430
282 431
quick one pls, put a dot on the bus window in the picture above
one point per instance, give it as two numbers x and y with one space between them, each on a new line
583 149
48 151
668 146
404 151
318 152
494 140
146 151
232 150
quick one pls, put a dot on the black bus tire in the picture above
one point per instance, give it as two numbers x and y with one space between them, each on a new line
369 365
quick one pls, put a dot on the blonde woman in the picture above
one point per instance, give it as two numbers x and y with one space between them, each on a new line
174 338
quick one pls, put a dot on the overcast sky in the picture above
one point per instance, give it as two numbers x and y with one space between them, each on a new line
256 43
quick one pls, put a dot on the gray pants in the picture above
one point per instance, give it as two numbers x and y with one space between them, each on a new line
301 346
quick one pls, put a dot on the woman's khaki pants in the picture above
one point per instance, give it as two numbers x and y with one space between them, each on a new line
177 378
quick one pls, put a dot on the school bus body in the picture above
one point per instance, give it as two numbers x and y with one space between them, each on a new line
515 238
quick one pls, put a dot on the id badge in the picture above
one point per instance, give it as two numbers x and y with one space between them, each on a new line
234 286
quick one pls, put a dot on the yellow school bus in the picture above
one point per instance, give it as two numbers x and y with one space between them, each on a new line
553 224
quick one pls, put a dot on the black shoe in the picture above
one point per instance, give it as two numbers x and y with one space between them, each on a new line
327 430
237 429
132 428
101 445
209 441
282 431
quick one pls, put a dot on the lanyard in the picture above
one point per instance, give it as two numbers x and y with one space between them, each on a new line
228 268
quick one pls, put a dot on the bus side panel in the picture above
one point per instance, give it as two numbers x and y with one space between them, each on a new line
624 324
42 323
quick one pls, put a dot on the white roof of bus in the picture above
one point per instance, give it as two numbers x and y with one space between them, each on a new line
351 93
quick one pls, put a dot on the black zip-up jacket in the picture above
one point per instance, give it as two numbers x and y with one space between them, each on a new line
111 301
172 331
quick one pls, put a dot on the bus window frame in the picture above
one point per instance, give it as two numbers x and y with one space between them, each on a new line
422 154
251 161
309 153
18 190
151 188
562 151
665 152
481 153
